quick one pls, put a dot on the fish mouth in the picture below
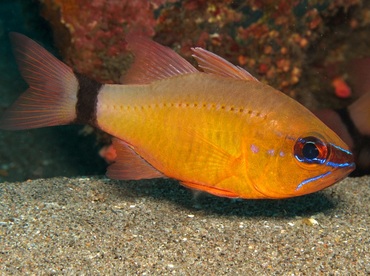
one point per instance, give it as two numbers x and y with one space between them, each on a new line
341 158
342 162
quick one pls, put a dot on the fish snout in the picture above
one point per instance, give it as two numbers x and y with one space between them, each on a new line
341 158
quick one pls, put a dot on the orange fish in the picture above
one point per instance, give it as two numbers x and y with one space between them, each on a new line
220 131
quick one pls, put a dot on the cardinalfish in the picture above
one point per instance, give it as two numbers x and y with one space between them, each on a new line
217 130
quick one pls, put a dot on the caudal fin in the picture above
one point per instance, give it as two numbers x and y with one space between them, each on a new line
52 96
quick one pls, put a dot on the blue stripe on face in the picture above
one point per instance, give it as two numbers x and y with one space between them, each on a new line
341 149
339 165
304 182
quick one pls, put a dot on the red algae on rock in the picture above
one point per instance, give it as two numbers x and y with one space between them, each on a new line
342 90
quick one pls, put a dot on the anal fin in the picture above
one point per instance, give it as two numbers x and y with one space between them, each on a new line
211 190
129 165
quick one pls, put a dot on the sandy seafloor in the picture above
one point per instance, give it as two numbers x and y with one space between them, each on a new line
97 226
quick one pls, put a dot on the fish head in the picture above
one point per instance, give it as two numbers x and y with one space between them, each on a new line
309 158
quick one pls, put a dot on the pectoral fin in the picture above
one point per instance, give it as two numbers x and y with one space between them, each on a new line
129 165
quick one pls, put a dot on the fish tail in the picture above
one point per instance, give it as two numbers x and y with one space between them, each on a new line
53 97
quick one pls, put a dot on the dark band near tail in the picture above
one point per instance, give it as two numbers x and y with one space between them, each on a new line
87 97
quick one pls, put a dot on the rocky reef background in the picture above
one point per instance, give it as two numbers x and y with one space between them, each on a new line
302 48
286 44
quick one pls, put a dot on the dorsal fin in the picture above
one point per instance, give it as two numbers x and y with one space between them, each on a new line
129 165
214 64
153 62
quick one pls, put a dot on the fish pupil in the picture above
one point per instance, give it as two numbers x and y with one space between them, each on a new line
310 150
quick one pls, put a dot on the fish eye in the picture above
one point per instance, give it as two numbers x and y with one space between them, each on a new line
310 150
